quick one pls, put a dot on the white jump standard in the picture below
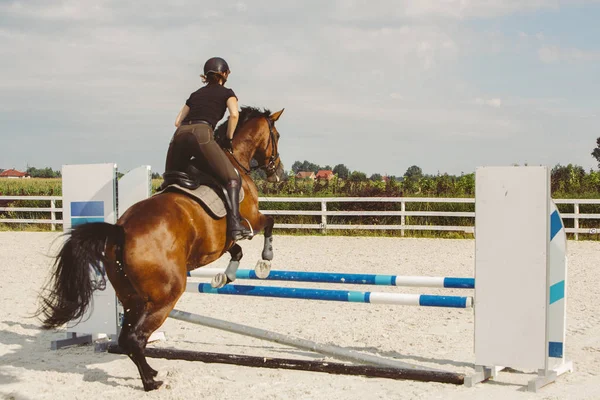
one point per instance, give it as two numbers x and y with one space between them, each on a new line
521 273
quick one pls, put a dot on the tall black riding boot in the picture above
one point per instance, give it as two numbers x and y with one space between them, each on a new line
236 230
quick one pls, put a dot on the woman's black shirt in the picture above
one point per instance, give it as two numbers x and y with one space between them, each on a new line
208 103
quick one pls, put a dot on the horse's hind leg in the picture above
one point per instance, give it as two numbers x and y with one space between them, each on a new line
134 308
221 279
145 309
133 312
138 325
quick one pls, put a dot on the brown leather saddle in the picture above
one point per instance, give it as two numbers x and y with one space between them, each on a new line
200 186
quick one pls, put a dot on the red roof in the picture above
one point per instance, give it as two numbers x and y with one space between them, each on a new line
324 174
12 173
305 175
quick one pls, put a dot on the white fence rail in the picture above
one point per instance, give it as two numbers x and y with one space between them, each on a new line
52 210
324 213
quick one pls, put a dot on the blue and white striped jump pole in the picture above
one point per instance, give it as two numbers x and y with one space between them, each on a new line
352 296
354 279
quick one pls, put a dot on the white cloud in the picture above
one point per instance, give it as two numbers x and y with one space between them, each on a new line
554 54
404 69
72 10
538 36
453 9
548 54
418 46
240 6
494 102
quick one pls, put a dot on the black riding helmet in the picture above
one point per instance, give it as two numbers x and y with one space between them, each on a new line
216 64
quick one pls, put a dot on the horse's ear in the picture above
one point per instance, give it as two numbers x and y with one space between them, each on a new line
275 116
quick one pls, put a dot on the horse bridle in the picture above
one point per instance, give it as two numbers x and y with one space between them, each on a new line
270 167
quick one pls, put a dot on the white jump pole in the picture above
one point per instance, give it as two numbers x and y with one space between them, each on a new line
326 349
344 278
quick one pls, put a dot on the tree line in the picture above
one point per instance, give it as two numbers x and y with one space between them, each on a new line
341 170
43 172
566 181
50 173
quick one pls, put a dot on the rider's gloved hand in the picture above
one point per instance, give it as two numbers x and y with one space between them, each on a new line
228 145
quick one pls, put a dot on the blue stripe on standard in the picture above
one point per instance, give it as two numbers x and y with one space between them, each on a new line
555 349
557 291
85 220
459 283
555 224
87 209
427 300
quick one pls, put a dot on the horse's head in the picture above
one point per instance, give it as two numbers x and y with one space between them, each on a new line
268 156
256 138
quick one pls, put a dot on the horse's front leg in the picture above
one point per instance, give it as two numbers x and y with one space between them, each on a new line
263 266
223 278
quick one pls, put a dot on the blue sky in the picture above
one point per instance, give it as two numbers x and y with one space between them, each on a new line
378 86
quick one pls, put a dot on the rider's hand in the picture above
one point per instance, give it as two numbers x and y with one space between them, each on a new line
228 145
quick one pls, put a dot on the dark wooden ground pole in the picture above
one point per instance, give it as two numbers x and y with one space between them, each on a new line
304 365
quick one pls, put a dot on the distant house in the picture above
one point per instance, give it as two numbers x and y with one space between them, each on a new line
305 175
324 174
13 174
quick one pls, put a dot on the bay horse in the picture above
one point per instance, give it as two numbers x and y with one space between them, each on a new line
148 252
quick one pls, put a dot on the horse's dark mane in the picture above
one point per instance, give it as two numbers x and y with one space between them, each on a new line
246 114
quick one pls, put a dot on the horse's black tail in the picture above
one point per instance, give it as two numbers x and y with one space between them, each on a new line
71 286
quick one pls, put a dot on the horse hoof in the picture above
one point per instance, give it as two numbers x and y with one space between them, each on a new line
152 385
262 269
219 280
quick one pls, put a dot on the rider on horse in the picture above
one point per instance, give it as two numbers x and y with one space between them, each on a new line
194 137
